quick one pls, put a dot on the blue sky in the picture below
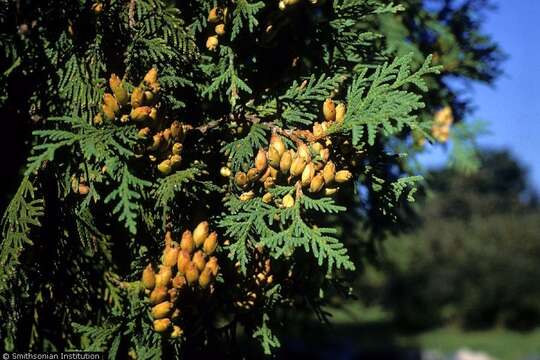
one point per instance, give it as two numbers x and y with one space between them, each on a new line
512 105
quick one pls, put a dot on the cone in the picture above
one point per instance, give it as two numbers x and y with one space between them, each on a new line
329 110
316 184
200 233
170 256
220 29
213 16
329 172
210 244
119 90
192 273
158 295
162 310
177 148
225 171
307 174
148 277
141 113
177 331
162 325
198 260
277 144
260 160
273 157
164 276
343 176
212 43
165 167
179 281
288 201
108 113
177 131
241 179
184 259
212 264
252 174
205 278
267 198
297 167
340 113
187 243
137 97
285 162
151 77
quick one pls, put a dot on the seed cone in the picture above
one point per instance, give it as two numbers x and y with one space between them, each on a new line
192 273
176 160
267 198
199 260
177 331
220 29
187 243
205 278
108 113
141 113
212 264
164 276
329 110
148 277
179 281
241 179
184 258
137 97
165 167
260 160
330 191
162 310
316 184
329 172
288 201
170 256
307 174
273 157
341 110
277 144
318 130
297 167
151 76
200 233
162 325
177 130
158 295
212 43
118 89
213 16
111 102
285 162
304 153
252 174
210 243
343 176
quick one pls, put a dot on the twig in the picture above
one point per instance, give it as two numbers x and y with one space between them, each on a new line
131 13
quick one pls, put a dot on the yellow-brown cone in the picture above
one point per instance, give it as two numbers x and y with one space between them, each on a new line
141 113
316 183
213 15
137 97
200 233
343 176
341 110
212 43
177 131
199 260
205 278
177 331
329 172
108 113
318 130
260 160
212 264
179 281
273 157
241 179
165 167
210 244
158 295
307 174
119 90
220 29
288 201
252 174
148 277
277 144
162 310
187 243
192 274
329 110
176 160
151 76
267 198
285 162
297 167
162 325
177 148
184 258
164 276
111 102
170 256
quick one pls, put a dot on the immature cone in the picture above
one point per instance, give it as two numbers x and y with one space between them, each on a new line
165 167
303 152
205 278
343 176
192 274
177 148
144 133
213 16
210 244
111 102
153 114
148 277
198 260
162 310
200 233
177 131
297 167
329 110
184 258
241 179
108 113
260 160
177 331
269 183
252 174
98 119
173 294
158 295
225 171
179 281
97 8
307 174
288 201
318 130
212 43
267 198
137 97
340 113
176 160
187 243
316 184
164 276
273 157
141 113
162 325
329 172
277 143
151 76
220 29
212 264
285 162
170 256
118 89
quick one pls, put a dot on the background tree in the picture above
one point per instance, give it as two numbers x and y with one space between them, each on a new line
155 118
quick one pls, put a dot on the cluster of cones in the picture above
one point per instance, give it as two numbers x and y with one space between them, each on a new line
217 17
260 278
164 139
187 270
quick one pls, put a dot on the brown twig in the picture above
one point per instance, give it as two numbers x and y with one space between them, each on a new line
131 13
